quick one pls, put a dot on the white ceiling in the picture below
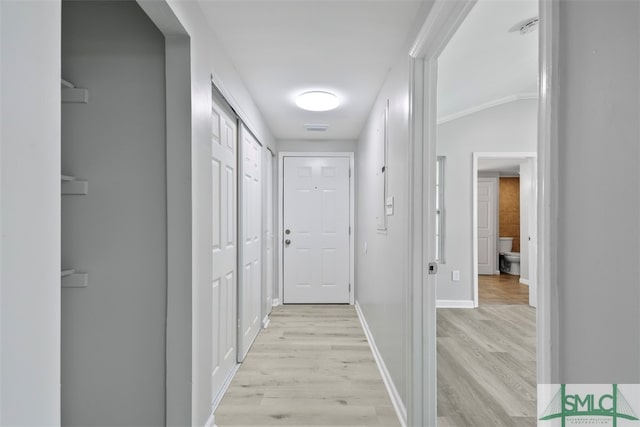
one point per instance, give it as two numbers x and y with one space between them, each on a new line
500 165
283 48
483 62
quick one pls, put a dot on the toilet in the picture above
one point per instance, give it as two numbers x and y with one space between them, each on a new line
509 261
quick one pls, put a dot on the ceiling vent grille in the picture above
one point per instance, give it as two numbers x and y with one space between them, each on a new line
526 26
316 127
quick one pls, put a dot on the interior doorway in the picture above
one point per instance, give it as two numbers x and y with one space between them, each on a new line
439 29
512 275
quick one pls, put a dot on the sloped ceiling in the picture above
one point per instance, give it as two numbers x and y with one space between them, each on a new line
484 62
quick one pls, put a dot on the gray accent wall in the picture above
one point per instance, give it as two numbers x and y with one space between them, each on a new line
113 331
598 192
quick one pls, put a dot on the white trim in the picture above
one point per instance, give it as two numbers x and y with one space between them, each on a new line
524 281
265 322
547 312
442 22
281 156
224 388
486 106
394 395
276 302
455 303
474 206
211 421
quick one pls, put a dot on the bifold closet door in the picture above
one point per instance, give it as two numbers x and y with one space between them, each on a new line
251 213
224 247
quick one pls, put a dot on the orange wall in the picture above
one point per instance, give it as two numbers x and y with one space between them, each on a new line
510 210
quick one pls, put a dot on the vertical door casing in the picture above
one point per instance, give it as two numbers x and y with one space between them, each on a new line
316 224
223 304
250 254
486 225
268 225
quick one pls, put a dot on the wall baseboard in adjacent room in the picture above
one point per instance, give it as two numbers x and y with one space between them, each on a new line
524 281
275 302
398 405
454 303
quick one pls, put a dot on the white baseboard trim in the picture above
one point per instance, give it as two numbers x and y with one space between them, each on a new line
454 303
524 281
221 393
275 302
211 421
399 407
265 322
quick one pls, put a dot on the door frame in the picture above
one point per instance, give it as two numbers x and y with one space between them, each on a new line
348 154
477 156
440 25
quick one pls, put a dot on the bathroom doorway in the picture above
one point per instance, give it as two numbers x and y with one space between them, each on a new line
514 211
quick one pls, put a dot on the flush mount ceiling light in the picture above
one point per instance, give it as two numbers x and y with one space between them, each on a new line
317 100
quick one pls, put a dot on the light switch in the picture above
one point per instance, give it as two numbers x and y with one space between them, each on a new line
455 275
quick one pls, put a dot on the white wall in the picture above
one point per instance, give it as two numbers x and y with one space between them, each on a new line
113 332
30 213
509 127
317 146
381 272
598 193
207 58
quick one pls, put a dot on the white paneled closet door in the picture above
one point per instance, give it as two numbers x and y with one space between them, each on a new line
223 301
251 213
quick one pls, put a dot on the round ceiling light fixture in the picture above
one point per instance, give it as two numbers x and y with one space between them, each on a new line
317 100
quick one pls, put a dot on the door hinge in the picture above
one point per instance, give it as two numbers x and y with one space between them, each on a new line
349 287
349 173
349 230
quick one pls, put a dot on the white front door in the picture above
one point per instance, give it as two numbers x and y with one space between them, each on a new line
316 230
250 289
224 248
487 225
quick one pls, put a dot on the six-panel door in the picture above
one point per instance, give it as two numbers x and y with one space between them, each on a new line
316 230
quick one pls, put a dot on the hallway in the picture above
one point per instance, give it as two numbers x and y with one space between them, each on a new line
311 366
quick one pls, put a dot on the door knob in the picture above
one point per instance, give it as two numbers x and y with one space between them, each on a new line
287 242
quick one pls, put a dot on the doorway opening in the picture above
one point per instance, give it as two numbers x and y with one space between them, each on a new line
486 337
428 122
504 228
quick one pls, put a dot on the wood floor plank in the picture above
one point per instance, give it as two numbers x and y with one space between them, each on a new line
312 366
487 358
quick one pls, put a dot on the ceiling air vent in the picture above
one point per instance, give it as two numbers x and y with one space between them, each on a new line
525 26
316 127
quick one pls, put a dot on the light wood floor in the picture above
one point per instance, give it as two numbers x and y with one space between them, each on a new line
311 366
487 358
502 289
